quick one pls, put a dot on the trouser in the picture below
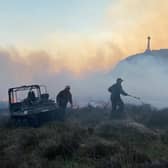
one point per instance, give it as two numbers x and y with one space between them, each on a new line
62 104
117 105
62 112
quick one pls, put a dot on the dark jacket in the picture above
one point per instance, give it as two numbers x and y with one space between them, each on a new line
116 90
31 96
63 98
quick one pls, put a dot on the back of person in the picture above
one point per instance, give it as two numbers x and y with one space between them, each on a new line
115 90
31 96
63 98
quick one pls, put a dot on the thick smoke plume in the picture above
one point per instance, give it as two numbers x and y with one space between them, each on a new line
83 60
145 76
42 68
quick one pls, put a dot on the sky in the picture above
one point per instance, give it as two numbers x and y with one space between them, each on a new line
64 41
31 20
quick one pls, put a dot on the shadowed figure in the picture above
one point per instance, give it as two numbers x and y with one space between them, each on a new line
116 90
62 100
31 97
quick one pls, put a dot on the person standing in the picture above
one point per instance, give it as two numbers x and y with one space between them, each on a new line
63 98
116 90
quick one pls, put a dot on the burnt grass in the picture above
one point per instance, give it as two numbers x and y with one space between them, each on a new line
89 139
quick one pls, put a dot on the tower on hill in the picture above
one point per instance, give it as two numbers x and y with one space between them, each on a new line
148 49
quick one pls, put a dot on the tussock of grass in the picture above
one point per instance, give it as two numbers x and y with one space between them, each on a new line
89 139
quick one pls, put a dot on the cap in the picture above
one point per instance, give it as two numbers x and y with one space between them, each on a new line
119 80
67 87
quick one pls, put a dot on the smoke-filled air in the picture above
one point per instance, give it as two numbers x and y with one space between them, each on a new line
83 84
86 59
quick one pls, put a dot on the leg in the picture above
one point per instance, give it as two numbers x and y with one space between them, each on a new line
114 107
120 106
62 113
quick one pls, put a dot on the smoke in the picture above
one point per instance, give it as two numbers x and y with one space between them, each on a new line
63 59
83 53
133 20
40 67
83 59
145 76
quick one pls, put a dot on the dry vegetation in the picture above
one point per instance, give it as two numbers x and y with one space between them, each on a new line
89 139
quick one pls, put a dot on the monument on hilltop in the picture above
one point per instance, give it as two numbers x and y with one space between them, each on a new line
148 49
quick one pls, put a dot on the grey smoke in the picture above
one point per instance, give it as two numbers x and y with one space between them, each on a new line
145 75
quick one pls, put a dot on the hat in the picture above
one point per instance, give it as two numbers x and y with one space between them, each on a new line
119 80
67 87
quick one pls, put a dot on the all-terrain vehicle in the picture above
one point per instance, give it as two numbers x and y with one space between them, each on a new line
30 105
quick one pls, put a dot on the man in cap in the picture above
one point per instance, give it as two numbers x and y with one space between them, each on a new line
62 100
116 90
31 98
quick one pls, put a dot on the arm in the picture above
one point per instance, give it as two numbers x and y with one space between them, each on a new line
110 89
123 92
70 99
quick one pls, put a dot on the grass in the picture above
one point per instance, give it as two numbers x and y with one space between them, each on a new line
89 139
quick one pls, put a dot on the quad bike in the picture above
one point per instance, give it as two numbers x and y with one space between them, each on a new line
30 105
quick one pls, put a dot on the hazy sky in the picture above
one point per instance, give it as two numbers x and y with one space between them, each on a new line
23 20
43 40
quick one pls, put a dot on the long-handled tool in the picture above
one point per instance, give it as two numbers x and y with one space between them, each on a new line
138 98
